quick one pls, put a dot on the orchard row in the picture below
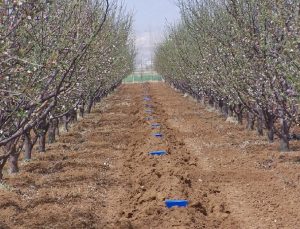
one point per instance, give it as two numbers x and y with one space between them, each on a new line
240 56
57 59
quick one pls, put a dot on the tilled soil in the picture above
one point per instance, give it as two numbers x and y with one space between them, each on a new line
100 175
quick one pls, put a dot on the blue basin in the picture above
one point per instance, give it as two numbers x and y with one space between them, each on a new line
149 118
158 153
176 203
155 125
159 135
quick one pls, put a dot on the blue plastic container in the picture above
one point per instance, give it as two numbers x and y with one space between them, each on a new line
154 125
149 118
176 203
158 135
149 111
147 98
158 153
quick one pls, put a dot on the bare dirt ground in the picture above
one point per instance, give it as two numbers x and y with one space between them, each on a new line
99 175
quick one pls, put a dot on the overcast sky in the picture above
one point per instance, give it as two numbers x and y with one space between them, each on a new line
150 19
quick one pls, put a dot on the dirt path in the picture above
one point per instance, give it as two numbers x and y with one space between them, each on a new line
100 174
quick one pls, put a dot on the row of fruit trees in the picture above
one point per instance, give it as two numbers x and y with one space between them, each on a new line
240 56
57 59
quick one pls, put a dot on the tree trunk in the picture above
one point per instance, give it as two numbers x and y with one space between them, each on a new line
57 127
3 160
13 160
271 135
240 117
42 131
221 105
27 146
199 98
284 136
81 109
270 127
210 101
250 121
90 105
259 126
230 111
51 132
216 105
42 143
225 109
74 115
203 100
239 114
13 165
66 123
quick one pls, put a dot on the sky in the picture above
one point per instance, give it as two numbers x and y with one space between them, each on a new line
150 20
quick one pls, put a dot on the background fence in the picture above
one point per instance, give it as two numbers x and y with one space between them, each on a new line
142 77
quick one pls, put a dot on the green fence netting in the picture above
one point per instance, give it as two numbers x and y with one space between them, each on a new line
142 78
